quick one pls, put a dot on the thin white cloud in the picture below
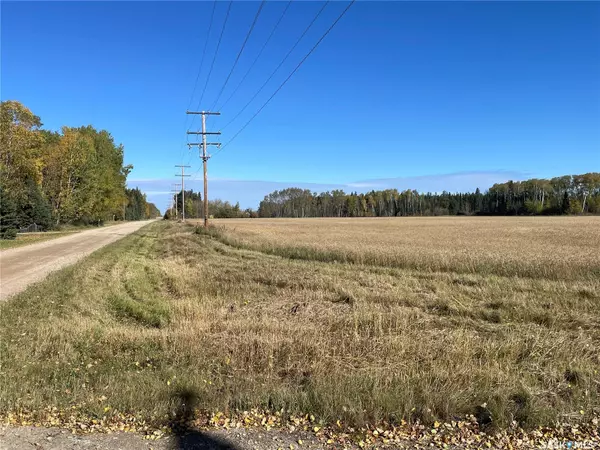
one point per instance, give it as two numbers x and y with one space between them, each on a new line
249 193
451 182
143 180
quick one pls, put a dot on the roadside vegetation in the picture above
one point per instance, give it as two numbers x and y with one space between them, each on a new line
22 239
249 317
31 238
194 207
49 178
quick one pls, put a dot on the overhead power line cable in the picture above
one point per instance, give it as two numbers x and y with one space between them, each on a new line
215 56
289 76
261 6
257 56
278 67
212 16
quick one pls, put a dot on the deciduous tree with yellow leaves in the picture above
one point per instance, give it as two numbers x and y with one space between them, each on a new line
75 175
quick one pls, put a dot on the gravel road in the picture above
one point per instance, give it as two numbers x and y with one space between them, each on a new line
30 438
19 267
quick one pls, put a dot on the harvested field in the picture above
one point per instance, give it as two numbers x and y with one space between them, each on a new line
363 321
537 247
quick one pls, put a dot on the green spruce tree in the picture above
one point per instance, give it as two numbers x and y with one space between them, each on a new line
8 216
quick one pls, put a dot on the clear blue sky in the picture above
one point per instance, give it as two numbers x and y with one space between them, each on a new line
427 95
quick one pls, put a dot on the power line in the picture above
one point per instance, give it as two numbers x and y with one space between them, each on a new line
205 156
175 192
212 15
217 144
199 70
289 76
216 52
262 4
211 65
257 56
183 175
278 67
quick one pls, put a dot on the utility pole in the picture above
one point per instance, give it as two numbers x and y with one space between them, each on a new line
169 207
176 193
205 156
174 203
182 191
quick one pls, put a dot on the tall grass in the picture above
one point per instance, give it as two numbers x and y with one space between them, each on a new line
169 309
535 247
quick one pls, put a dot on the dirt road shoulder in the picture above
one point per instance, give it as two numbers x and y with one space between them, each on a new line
22 438
20 267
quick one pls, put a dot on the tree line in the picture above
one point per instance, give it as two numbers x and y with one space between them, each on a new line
137 207
75 175
570 194
194 208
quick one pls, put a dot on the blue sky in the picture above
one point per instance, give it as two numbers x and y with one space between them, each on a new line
424 95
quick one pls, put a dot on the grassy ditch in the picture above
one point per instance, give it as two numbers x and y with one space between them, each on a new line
170 309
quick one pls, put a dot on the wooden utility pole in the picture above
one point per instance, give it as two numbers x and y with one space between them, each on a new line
175 193
174 203
182 190
205 156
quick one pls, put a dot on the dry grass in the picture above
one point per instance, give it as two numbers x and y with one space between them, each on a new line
169 309
35 237
32 238
557 247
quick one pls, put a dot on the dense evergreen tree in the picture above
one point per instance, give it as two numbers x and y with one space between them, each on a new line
8 216
152 212
137 207
35 209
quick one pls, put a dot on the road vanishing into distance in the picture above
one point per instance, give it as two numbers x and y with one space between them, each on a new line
22 266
